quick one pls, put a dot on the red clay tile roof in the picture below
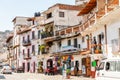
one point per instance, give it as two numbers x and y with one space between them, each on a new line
67 7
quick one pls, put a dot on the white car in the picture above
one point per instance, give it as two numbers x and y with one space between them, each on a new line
109 69
6 70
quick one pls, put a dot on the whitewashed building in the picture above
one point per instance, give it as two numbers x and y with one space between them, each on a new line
20 23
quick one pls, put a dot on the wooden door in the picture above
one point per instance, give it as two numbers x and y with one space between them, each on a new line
88 67
24 67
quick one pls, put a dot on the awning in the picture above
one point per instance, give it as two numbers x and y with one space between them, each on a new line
68 50
89 6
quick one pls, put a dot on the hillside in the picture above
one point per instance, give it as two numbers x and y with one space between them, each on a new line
3 37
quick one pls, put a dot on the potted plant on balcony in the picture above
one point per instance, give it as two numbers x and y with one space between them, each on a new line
43 34
98 51
42 47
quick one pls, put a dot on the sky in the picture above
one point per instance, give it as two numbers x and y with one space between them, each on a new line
9 9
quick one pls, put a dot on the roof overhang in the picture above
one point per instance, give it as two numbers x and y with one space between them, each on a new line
10 37
24 31
89 6
31 19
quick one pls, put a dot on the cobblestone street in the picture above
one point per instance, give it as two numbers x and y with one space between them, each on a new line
31 76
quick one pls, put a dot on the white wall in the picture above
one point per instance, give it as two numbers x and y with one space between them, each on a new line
70 17
113 33
21 21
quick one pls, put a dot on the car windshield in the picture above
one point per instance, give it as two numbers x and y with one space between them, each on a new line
6 66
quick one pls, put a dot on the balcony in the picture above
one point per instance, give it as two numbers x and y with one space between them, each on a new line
96 16
69 50
49 20
27 57
66 35
47 36
26 43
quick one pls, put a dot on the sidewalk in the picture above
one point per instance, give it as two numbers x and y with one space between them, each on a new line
36 76
60 77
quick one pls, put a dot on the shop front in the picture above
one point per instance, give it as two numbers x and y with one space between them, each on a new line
89 63
67 60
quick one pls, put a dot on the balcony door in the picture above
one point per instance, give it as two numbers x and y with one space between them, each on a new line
28 37
28 66
23 66
75 43
28 53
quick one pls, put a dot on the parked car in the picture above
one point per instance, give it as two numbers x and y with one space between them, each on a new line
6 69
20 70
109 69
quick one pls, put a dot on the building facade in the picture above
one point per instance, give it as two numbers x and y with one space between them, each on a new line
76 36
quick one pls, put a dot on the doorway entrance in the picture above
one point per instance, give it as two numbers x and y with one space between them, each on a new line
23 66
28 67
86 66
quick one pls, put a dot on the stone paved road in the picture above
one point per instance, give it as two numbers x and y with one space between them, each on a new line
35 76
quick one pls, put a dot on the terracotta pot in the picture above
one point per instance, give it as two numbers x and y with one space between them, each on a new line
97 51
93 74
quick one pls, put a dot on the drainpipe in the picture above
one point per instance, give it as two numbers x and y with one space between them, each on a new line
105 26
119 39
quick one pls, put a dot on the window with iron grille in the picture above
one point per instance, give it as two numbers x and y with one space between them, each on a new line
61 14
115 45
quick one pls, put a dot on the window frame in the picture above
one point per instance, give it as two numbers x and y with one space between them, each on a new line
49 15
103 66
114 65
69 42
61 14
33 34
